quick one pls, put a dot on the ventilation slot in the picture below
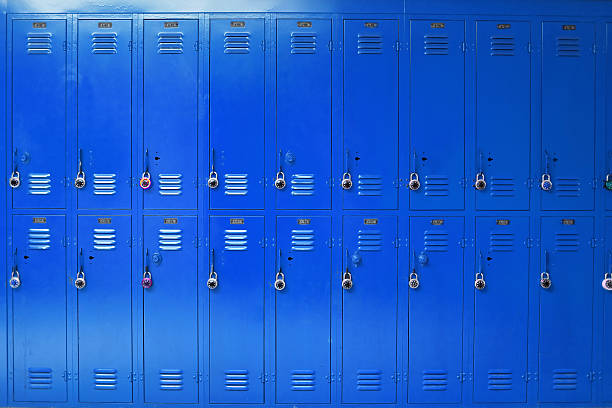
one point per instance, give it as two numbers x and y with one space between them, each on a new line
170 184
104 43
237 43
436 45
565 379
303 43
169 43
236 184
171 380
104 239
369 44
170 239
436 241
236 240
502 46
302 184
567 242
369 185
39 238
500 380
237 380
502 187
302 240
105 184
567 187
369 380
435 380
39 43
39 378
39 183
568 47
369 240
105 379
436 186
302 380
501 242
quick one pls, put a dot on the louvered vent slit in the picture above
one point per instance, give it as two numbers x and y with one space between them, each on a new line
435 380
236 184
502 187
303 43
499 380
40 378
499 242
567 187
568 47
436 45
369 240
104 239
105 184
170 239
503 46
39 183
171 380
369 380
565 379
369 44
236 240
170 43
39 43
104 43
302 184
170 184
567 242
302 380
302 240
237 42
39 238
237 380
369 185
436 186
436 241
105 378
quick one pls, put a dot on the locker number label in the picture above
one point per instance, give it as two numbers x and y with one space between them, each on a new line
105 24
304 221
236 221
370 25
503 222
304 24
370 221
104 220
238 24
569 27
171 24
437 222
39 24
503 26
568 221
170 220
39 220
437 25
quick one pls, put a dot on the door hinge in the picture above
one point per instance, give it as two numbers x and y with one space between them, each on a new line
65 46
463 377
594 242
330 378
592 376
529 47
464 242
594 48
330 45
67 376
396 377
463 46
130 45
196 46
531 242
463 182
397 46
133 376
530 183
263 45
531 377
197 377
396 242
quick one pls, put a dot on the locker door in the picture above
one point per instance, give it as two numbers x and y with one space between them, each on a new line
39 309
171 310
501 309
171 113
237 101
105 113
568 115
566 309
370 116
503 114
435 321
437 108
608 64
39 112
303 310
607 323
237 310
369 310
303 112
105 364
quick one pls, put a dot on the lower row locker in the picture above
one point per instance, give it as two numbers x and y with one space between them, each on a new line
170 308
501 309
104 305
607 314
39 309
303 314
566 309
435 321
369 310
236 310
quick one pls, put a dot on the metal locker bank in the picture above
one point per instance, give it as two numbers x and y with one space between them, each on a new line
306 204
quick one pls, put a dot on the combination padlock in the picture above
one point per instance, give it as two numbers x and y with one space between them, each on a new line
280 183
480 183
147 280
15 180
79 282
15 280
606 283
545 281
347 182
608 183
145 180
279 283
546 183
413 282
347 280
480 283
79 181
213 180
414 184
212 281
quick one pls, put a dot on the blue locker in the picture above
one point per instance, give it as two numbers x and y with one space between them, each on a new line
104 365
303 111
170 308
237 101
303 310
435 315
370 117
104 113
566 309
608 93
503 114
607 314
568 116
170 113
437 110
237 310
39 112
39 309
369 310
501 309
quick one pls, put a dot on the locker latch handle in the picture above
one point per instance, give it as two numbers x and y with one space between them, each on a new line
546 181
15 179
347 181
413 280
80 282
347 277
15 280
213 177
279 282
480 183
145 179
479 282
147 278
212 282
280 182
79 180
606 283
545 281
414 184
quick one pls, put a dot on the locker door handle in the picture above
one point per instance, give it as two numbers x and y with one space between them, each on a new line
212 282
546 181
545 281
479 282
480 183
607 280
79 181
413 280
145 178
147 278
347 277
280 182
414 184
213 177
80 282
279 282
347 181
15 280
15 179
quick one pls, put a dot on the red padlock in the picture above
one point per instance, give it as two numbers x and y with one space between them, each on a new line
145 180
147 280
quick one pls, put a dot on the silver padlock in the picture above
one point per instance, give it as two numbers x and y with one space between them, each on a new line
280 183
15 280
606 283
79 181
546 182
79 282
347 182
212 281
480 283
414 184
545 281
279 283
213 180
413 282
15 180
347 280
480 183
